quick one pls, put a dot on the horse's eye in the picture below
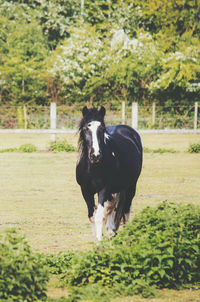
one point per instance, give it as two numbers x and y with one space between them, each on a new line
89 125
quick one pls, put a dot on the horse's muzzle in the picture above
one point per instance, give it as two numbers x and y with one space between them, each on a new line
95 159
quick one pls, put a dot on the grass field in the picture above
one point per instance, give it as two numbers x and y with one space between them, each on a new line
40 197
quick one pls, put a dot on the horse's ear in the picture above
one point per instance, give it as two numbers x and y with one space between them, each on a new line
84 110
102 111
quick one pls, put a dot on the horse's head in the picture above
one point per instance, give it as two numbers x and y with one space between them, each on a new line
92 130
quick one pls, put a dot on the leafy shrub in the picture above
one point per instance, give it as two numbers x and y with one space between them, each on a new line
27 148
159 150
164 150
194 148
58 263
147 150
61 146
167 246
160 247
23 276
8 150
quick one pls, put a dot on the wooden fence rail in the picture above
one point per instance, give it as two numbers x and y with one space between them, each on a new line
134 122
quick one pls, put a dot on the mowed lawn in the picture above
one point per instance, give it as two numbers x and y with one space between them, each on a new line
40 197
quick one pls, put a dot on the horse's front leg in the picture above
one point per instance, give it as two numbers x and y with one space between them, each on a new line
100 214
89 199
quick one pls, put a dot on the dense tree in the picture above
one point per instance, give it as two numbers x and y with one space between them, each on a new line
22 67
114 49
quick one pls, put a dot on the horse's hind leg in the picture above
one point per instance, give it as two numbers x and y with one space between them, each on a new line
110 215
129 194
120 209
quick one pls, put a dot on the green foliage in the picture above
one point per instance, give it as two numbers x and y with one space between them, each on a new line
62 299
147 150
22 64
57 146
27 148
159 248
58 264
159 150
167 239
20 117
164 150
56 19
79 55
61 146
9 150
23 276
99 293
194 148
133 50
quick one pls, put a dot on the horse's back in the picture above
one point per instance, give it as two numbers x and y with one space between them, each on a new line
120 133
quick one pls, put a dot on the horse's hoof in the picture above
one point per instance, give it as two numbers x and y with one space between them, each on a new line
91 219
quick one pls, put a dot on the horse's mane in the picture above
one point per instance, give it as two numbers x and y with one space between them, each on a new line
92 115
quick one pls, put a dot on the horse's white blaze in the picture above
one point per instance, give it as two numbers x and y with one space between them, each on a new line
99 218
93 126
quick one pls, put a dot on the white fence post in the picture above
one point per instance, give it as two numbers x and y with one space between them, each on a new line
53 120
123 112
195 115
135 115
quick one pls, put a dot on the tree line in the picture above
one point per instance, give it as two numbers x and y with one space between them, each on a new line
108 51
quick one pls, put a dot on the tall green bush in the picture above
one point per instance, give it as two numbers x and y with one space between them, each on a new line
160 247
23 276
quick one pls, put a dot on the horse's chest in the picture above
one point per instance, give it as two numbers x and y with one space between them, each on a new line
97 184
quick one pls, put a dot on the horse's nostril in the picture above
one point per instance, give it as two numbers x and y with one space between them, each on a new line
95 158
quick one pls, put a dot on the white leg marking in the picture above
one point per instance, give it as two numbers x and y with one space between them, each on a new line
93 126
99 218
110 224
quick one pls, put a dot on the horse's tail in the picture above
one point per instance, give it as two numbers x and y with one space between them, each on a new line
119 214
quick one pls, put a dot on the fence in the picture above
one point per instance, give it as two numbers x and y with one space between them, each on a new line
61 119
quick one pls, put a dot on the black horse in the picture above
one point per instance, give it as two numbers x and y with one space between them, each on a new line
110 162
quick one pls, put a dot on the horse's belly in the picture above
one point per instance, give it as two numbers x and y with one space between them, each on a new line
119 181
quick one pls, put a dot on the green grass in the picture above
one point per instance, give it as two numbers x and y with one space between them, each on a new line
40 197
39 194
41 141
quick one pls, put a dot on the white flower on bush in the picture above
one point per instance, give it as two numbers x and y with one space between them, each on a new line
79 56
179 68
